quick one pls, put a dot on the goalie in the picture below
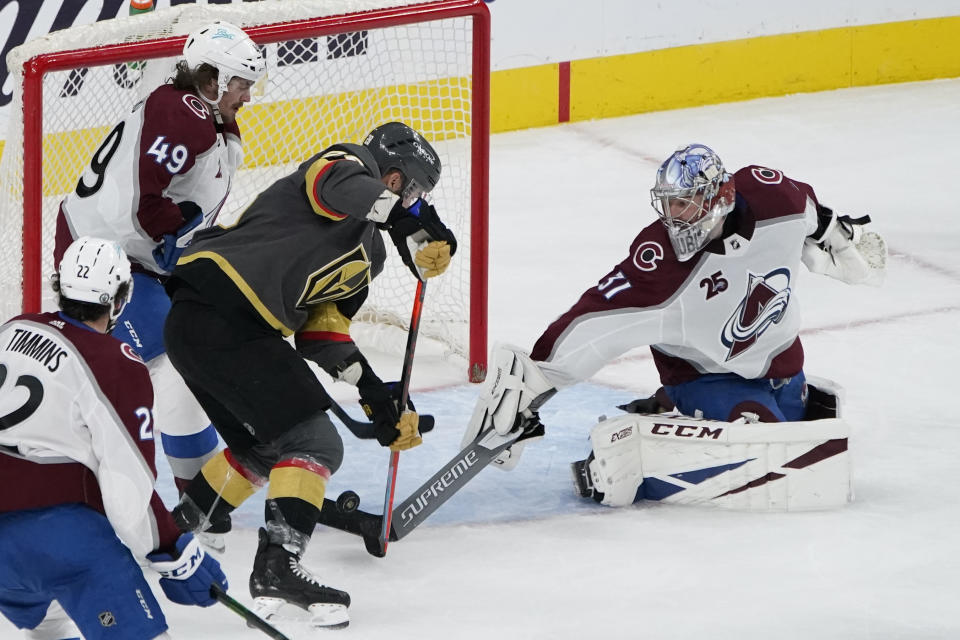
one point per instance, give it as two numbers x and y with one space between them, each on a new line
710 288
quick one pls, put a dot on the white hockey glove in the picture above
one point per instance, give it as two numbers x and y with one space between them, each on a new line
187 578
843 250
512 393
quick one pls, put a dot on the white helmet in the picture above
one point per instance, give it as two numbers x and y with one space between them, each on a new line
692 195
94 271
226 48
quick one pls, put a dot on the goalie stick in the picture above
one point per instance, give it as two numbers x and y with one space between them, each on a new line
426 499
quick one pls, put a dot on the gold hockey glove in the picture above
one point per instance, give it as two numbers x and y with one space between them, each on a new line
433 259
409 433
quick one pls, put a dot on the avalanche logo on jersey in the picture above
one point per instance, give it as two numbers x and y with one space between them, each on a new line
763 305
646 256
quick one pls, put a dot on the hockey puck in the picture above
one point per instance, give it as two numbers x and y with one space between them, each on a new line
348 501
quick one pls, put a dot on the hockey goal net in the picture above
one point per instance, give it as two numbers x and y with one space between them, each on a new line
335 70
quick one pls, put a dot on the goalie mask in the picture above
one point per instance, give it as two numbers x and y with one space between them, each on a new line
692 195
228 49
397 146
96 272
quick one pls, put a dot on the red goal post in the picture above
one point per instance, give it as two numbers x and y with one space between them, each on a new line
331 77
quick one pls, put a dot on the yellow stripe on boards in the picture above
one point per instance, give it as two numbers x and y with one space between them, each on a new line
764 66
277 133
296 482
705 74
905 51
728 71
523 98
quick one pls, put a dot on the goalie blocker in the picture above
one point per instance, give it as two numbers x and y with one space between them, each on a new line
744 465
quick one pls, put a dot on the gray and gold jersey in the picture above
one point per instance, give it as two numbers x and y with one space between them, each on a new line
306 243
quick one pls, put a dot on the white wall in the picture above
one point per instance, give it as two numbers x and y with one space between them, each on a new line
532 32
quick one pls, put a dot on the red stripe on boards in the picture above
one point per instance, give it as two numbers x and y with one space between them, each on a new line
563 105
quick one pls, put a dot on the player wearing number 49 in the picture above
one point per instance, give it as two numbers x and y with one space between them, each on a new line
160 174
78 509
711 289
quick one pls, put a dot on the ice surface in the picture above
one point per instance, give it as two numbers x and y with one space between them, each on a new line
516 555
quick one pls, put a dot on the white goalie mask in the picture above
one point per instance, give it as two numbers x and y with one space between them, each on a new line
98 272
228 49
692 195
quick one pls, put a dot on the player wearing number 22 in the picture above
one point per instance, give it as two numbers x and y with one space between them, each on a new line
298 262
161 173
78 512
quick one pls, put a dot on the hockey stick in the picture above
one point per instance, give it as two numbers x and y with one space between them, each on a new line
251 618
441 486
404 396
362 429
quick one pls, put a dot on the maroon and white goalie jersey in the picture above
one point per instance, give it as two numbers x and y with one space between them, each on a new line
76 425
730 309
167 150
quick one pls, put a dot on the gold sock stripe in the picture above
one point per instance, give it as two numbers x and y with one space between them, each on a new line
225 479
254 478
299 478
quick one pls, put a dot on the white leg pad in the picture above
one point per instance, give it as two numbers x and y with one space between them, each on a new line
787 466
513 382
616 469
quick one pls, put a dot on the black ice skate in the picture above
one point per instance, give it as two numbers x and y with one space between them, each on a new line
279 579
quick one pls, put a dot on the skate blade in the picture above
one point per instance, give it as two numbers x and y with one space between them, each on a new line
291 618
329 616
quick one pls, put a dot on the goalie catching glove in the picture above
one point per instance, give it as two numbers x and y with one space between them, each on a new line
425 244
380 401
841 249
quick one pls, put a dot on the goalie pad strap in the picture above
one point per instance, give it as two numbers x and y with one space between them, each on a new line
616 469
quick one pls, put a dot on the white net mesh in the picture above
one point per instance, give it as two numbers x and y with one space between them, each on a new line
318 91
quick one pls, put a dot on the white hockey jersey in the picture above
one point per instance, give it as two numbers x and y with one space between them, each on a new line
166 151
76 425
730 309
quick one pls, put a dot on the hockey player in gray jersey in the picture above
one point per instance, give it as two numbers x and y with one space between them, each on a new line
298 262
